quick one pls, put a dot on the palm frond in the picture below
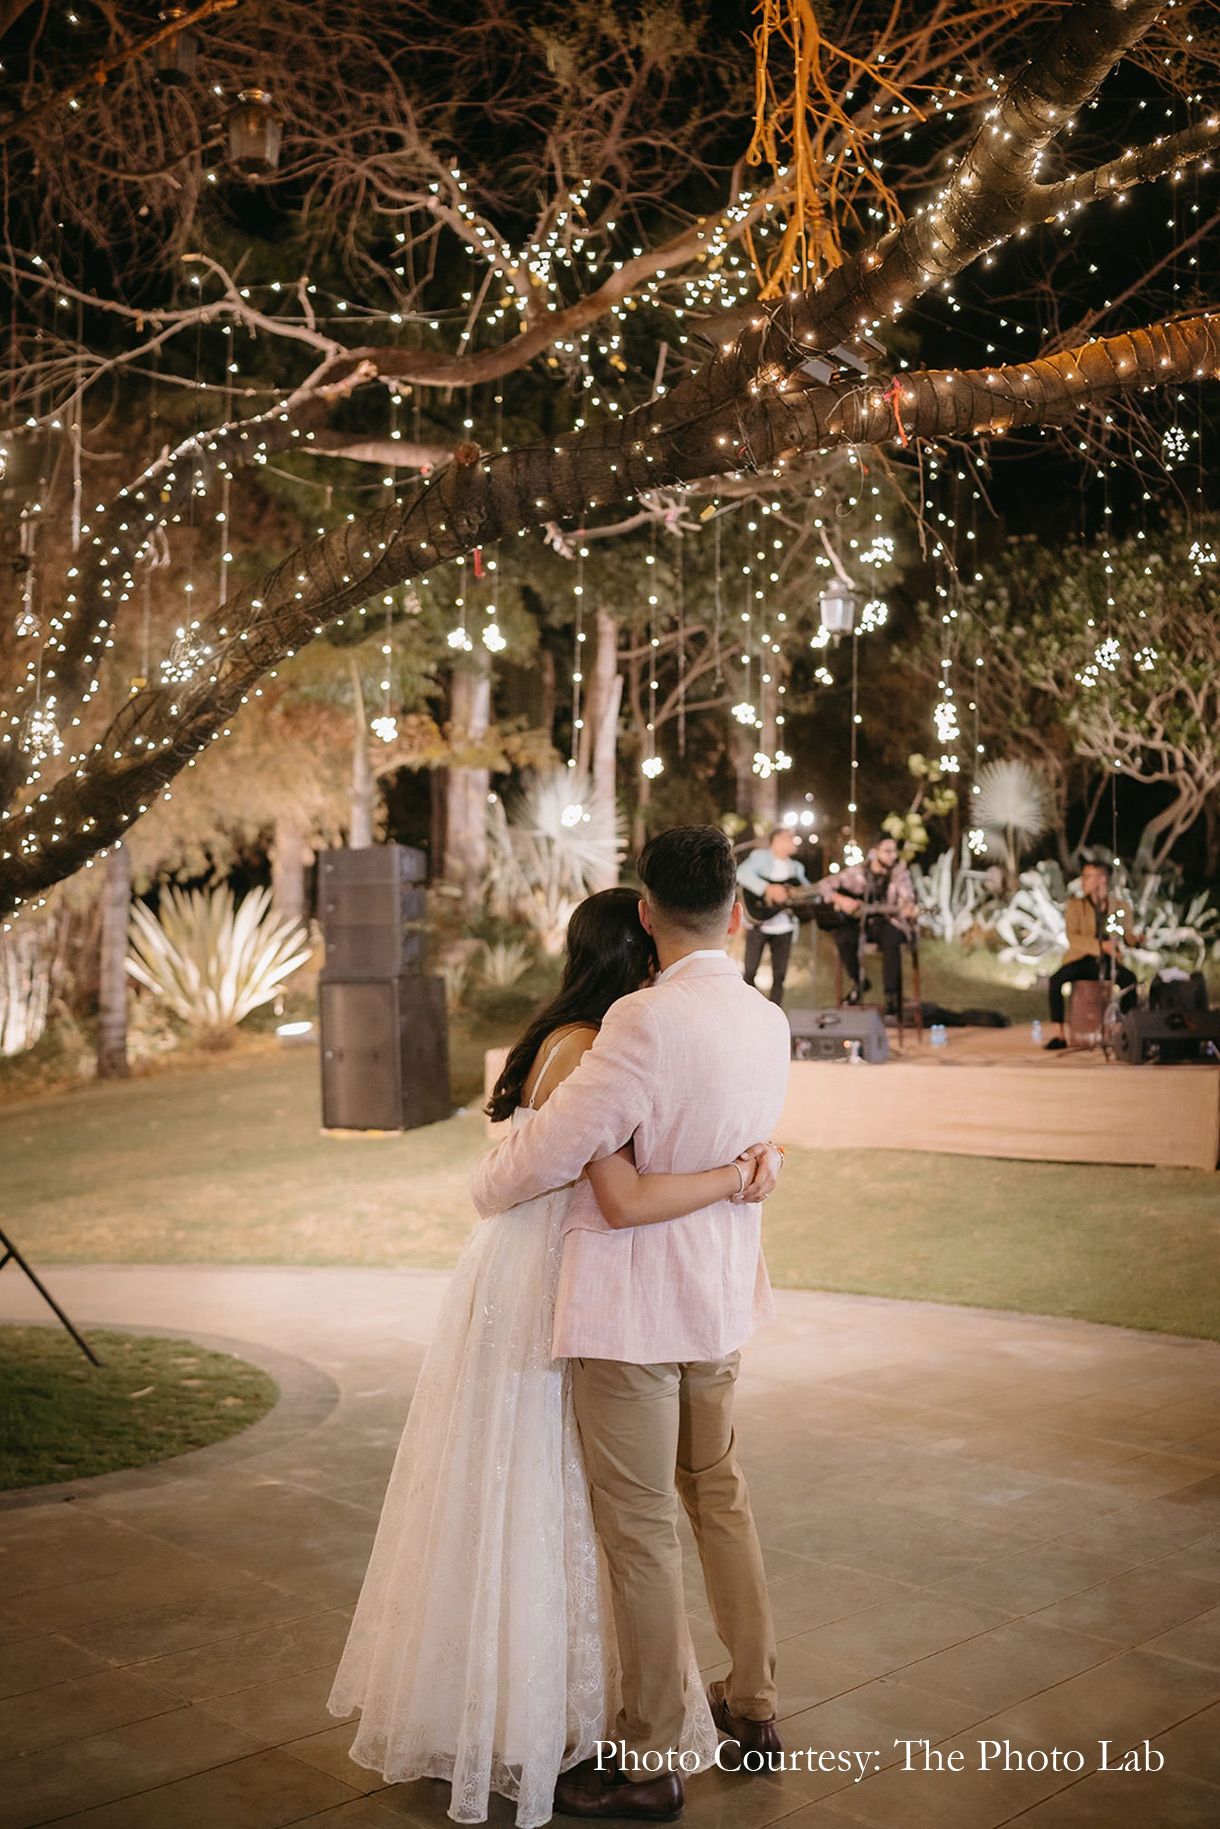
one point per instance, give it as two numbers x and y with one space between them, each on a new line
548 850
1012 799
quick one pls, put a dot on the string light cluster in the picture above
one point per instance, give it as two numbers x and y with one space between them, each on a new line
533 276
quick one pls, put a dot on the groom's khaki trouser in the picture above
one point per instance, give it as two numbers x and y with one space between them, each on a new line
645 1430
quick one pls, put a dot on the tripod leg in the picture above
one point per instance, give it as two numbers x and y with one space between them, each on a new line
11 1251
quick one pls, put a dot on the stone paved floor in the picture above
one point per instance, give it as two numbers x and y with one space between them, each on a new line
979 1528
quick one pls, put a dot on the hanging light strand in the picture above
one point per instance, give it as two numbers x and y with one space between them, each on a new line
853 806
681 605
652 764
578 670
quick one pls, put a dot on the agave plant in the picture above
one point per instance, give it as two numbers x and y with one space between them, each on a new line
212 960
1173 931
502 962
25 987
1032 923
951 901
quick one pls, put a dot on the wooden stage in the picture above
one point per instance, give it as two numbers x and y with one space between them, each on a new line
991 1092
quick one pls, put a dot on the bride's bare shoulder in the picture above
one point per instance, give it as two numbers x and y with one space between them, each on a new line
559 1055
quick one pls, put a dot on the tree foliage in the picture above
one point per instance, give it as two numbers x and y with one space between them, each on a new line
591 249
1119 644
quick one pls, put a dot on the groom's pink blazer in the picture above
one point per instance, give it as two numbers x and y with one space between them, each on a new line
693 1070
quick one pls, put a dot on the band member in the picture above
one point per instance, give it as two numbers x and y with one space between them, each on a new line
1099 926
874 900
767 872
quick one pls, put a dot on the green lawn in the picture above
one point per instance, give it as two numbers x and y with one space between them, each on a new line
1139 1247
62 1418
228 1165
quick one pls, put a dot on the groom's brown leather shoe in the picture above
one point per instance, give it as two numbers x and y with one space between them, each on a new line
752 1736
584 1791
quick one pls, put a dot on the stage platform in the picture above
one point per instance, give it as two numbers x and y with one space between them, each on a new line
991 1092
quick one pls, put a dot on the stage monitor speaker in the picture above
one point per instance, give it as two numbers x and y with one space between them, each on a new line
1186 994
827 1035
1170 1036
385 1053
372 908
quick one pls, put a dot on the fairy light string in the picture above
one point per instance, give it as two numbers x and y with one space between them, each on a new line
852 853
569 248
578 671
680 594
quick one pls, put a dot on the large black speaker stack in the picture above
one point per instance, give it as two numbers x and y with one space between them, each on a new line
385 1042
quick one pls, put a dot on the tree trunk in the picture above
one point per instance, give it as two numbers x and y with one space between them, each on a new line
364 790
765 800
741 749
639 815
467 788
604 709
290 855
1211 833
1164 829
1090 815
546 667
438 797
112 976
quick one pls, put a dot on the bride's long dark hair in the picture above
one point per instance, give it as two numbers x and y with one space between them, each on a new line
609 954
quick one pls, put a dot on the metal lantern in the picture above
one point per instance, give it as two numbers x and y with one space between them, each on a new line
840 608
178 54
255 130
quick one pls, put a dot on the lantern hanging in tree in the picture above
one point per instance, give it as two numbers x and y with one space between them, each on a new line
178 54
840 609
255 130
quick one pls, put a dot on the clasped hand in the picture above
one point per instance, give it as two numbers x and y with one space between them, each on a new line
761 1163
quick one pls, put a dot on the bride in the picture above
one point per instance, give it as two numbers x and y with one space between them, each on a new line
482 1646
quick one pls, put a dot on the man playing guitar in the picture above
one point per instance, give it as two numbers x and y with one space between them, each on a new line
767 875
874 900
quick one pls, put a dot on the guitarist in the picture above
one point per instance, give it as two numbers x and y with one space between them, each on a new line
874 900
767 872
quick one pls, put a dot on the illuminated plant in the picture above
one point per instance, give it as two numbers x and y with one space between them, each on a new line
212 960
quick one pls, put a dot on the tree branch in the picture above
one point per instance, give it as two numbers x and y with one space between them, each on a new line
18 123
1139 166
470 503
390 453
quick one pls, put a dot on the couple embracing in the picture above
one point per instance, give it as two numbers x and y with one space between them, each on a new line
521 1628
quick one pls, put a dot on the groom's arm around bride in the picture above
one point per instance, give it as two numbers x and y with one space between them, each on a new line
691 1071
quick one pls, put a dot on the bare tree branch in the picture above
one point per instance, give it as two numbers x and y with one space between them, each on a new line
20 123
471 503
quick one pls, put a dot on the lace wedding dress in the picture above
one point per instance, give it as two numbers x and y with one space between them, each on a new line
482 1649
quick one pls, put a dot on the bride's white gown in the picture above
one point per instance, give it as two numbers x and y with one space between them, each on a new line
482 1649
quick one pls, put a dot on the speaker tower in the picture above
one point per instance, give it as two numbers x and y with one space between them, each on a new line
385 1043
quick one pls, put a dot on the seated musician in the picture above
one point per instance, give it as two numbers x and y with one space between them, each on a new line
1099 926
880 895
767 872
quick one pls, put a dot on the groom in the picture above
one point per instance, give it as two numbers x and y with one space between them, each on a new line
692 1071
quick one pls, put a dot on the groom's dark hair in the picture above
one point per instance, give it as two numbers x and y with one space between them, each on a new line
689 876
